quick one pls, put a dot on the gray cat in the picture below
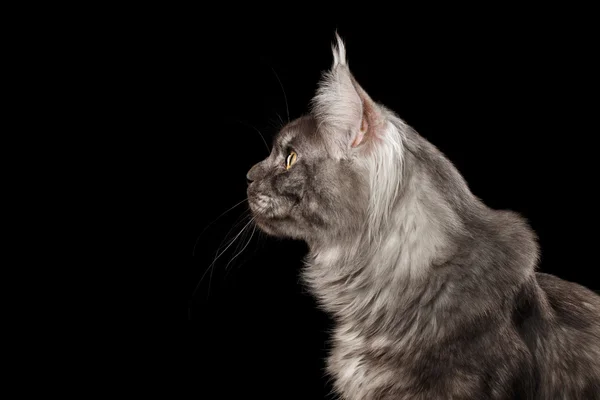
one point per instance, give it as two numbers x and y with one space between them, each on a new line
435 295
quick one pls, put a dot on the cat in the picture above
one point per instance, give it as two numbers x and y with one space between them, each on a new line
434 295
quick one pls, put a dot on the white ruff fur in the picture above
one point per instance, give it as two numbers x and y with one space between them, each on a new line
388 276
339 105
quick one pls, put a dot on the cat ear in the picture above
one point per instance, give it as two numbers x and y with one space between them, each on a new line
342 108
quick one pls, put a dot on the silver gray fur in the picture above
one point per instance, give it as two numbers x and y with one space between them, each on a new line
435 295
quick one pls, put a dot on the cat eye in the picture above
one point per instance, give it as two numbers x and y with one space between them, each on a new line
290 160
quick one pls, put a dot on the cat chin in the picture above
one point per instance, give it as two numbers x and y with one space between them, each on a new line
265 228
276 228
268 227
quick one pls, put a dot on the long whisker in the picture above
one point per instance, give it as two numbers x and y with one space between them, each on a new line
212 266
241 242
244 217
256 129
280 121
219 256
244 248
260 236
284 96
209 225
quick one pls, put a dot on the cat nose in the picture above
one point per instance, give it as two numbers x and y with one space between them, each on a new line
252 174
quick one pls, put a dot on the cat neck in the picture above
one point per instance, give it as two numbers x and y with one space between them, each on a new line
417 236
439 243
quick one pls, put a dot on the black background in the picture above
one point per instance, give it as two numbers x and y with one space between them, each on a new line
507 95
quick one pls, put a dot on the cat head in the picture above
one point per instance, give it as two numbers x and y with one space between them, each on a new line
334 172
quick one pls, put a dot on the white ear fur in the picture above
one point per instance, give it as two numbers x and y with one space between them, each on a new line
350 121
343 109
339 52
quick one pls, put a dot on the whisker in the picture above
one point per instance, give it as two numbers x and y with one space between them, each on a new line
242 218
259 241
246 124
280 120
209 225
212 266
284 96
244 248
241 242
277 123
219 256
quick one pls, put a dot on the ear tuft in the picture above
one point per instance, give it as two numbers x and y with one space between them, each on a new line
339 52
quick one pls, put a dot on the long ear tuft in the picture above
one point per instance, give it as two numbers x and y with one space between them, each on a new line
339 52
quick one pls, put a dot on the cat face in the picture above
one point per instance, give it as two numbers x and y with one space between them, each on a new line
334 172
301 190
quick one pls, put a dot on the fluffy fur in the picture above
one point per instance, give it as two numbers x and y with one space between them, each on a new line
434 294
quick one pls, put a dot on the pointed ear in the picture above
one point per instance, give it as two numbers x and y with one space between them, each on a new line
344 111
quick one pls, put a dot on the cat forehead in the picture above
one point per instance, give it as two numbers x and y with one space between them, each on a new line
302 128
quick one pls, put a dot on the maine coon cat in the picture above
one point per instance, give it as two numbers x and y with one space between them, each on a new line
434 295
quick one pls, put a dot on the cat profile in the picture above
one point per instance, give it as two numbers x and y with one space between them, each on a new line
434 295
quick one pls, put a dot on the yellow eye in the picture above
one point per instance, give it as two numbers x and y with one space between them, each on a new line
290 160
